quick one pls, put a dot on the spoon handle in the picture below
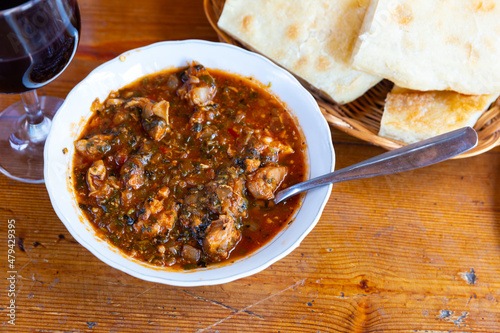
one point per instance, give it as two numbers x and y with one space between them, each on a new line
413 156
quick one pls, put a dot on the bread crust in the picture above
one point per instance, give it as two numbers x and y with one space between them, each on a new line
433 44
313 39
411 116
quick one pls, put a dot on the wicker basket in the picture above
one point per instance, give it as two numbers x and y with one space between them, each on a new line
361 118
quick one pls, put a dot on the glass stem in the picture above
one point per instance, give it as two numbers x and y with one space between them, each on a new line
32 106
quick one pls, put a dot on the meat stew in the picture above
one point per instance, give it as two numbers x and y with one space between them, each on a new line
179 168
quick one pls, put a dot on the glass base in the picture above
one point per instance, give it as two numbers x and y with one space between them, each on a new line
21 144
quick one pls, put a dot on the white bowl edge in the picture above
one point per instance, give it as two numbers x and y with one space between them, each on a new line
149 59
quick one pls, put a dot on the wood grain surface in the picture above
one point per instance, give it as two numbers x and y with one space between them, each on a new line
411 252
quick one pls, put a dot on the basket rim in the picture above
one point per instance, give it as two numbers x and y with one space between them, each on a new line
487 126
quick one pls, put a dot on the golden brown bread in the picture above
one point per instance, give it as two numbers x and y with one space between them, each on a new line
313 39
410 115
432 44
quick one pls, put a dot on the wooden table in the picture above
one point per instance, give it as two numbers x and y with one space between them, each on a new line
414 252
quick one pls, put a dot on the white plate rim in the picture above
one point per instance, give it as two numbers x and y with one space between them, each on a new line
99 71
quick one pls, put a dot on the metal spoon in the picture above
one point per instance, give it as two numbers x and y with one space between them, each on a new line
413 156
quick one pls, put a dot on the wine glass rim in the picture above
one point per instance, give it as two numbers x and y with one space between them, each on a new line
20 7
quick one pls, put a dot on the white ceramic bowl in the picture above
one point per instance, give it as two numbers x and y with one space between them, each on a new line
75 111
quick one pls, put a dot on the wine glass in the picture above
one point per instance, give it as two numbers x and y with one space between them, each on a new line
38 39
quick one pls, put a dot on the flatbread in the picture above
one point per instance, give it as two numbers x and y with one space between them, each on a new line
432 44
313 39
411 116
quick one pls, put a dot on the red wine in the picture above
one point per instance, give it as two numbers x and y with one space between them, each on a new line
35 69
39 46
7 4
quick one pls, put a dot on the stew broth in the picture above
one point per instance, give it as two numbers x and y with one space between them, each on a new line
180 168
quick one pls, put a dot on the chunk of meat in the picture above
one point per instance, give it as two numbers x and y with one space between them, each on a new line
208 133
155 118
153 206
161 249
265 181
96 175
221 237
155 127
149 108
281 148
158 224
132 173
160 109
268 148
251 164
193 209
120 116
95 147
100 185
172 82
146 151
157 217
141 102
235 204
127 197
230 197
165 220
164 192
114 102
199 86
203 114
191 255
120 157
198 117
